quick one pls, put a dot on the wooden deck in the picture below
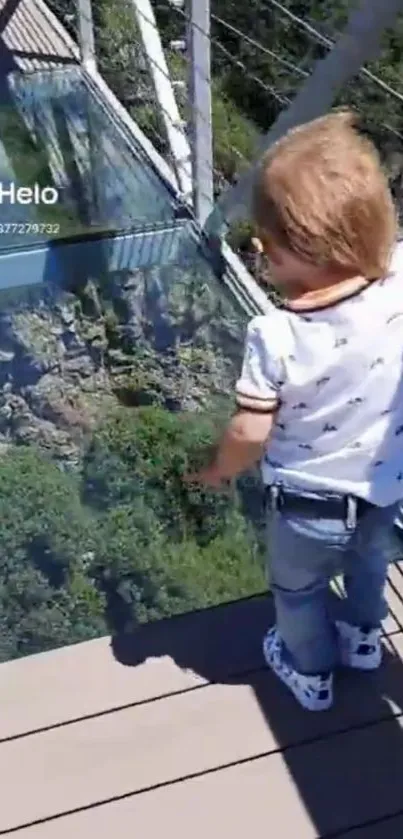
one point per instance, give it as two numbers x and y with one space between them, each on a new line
31 38
180 731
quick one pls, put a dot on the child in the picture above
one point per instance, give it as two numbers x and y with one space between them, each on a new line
320 400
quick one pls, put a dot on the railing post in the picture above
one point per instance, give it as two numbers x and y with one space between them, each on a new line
201 131
178 142
359 43
86 34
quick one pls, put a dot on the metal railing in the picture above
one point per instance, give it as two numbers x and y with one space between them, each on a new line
204 90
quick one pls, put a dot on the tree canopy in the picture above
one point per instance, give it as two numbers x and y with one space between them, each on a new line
123 541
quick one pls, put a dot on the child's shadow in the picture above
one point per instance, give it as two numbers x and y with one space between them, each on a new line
347 770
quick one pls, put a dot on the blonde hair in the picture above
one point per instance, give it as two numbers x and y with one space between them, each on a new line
322 194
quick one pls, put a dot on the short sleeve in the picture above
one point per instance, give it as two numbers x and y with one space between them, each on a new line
258 387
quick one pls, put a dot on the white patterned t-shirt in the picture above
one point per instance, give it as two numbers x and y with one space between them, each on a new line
336 377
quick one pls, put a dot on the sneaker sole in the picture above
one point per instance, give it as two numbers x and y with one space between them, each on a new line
318 705
359 662
355 661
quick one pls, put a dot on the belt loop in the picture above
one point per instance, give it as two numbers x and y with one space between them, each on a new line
274 497
351 516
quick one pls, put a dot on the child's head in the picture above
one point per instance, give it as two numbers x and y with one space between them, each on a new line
322 205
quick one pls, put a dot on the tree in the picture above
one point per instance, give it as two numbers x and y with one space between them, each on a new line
357 43
46 594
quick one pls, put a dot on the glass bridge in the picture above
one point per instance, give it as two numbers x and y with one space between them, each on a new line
120 342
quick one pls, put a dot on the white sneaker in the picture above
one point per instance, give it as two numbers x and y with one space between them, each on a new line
359 649
314 693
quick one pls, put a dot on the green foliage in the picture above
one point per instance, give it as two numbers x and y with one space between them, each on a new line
236 138
143 455
34 498
46 599
167 546
229 564
123 542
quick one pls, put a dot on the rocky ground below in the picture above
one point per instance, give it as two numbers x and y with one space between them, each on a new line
66 360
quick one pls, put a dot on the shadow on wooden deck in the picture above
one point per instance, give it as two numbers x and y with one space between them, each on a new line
347 764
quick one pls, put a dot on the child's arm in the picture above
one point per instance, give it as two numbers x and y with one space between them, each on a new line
240 447
257 398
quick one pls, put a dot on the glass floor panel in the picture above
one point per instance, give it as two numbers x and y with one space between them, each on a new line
117 367
66 168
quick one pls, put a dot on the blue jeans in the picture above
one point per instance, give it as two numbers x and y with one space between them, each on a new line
305 553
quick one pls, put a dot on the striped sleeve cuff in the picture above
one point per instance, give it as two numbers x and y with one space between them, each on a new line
248 400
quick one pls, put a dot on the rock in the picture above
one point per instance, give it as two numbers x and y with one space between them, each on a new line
61 349
67 317
132 331
36 337
21 425
6 412
90 299
119 357
80 366
93 331
14 415
72 344
54 400
131 289
45 434
133 280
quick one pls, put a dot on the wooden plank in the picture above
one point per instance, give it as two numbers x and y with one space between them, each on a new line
313 791
161 658
235 804
159 742
390 624
34 29
394 594
73 682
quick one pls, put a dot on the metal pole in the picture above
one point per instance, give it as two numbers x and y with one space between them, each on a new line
359 43
86 34
165 97
201 111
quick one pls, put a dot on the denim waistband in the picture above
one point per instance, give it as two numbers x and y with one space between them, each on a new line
349 508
